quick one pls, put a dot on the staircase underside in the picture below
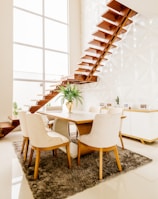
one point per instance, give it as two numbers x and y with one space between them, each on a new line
108 33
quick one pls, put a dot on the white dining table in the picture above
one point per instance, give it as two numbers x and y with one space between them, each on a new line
83 120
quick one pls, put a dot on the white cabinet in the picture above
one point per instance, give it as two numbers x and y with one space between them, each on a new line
141 124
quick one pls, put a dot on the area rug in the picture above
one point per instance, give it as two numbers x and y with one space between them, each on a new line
56 181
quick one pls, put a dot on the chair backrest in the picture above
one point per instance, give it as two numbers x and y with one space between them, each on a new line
115 110
62 126
105 128
22 118
45 120
94 109
37 131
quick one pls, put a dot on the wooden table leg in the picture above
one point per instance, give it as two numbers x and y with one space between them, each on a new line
84 129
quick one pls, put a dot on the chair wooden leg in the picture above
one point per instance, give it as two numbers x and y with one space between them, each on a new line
77 134
23 144
121 140
36 164
30 159
68 155
26 149
54 152
79 153
117 159
100 164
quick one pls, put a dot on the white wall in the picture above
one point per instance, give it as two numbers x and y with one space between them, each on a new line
5 59
91 11
74 34
132 71
6 51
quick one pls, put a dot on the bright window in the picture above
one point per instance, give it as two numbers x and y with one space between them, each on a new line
56 9
40 47
55 64
27 62
55 35
27 28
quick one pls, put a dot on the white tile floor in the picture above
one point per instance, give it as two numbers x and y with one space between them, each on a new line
141 183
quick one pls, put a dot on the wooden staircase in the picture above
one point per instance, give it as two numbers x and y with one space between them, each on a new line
109 32
7 127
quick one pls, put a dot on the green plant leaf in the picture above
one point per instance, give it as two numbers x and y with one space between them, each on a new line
70 93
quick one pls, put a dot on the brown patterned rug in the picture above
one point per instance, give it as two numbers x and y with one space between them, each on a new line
56 181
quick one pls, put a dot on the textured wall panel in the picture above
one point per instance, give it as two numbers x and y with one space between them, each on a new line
132 71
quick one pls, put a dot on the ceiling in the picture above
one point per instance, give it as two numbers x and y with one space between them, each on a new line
147 8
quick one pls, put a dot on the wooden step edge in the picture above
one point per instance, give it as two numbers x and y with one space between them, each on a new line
42 101
34 108
118 7
4 125
49 96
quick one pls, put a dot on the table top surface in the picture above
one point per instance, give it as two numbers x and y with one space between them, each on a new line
77 117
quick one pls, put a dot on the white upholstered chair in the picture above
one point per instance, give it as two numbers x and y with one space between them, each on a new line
103 137
94 109
25 144
41 140
98 109
118 110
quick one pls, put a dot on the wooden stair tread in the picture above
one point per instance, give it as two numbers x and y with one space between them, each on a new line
42 101
34 108
49 96
71 81
98 44
6 125
102 35
82 78
128 22
118 7
112 17
90 65
107 27
90 57
93 52
132 13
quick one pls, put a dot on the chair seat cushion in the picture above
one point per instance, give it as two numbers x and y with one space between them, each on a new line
55 134
73 150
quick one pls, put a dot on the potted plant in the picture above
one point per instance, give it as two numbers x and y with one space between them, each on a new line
16 109
117 100
70 93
